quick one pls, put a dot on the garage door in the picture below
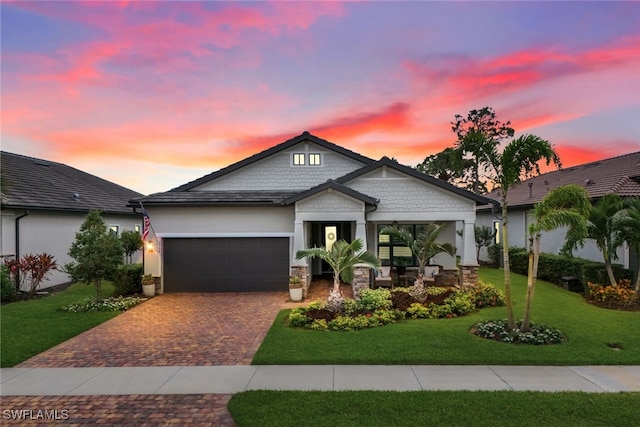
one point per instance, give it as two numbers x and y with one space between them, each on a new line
257 264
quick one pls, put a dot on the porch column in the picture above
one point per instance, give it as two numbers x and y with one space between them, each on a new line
469 248
361 232
298 243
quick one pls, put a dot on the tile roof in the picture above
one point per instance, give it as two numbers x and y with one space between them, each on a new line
30 183
212 198
619 175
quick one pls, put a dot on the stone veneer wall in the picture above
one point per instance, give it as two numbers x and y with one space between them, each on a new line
301 272
469 275
447 277
361 280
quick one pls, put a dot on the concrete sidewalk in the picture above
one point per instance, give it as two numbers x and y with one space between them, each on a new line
234 379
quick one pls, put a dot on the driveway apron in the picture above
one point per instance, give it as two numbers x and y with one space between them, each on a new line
195 329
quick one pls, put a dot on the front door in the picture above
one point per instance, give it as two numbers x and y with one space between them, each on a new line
325 234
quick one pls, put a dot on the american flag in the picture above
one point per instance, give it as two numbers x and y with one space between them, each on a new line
146 227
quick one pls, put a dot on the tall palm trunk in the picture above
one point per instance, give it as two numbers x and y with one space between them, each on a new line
505 257
532 277
607 266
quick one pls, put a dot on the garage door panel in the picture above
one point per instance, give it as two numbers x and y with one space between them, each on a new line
226 264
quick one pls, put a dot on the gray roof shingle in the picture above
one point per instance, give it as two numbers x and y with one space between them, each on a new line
619 175
30 183
213 198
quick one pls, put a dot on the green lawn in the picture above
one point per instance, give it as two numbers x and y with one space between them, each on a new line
448 341
442 408
30 327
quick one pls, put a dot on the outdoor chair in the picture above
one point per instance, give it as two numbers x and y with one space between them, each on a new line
383 277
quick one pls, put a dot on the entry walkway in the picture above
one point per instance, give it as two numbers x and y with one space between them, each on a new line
160 380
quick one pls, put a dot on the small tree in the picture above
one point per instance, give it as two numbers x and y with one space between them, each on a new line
97 253
342 258
566 206
484 236
424 247
131 242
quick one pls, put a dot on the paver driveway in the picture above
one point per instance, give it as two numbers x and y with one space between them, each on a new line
195 329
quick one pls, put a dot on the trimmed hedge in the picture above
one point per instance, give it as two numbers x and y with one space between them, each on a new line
554 267
128 279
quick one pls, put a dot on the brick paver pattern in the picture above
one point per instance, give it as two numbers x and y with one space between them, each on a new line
173 330
131 410
196 329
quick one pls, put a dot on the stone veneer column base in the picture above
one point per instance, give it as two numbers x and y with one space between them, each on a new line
361 280
300 271
469 275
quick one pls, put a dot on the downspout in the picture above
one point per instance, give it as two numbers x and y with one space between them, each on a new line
26 212
17 273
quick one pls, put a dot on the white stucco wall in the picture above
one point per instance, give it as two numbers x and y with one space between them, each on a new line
204 221
53 233
551 242
277 172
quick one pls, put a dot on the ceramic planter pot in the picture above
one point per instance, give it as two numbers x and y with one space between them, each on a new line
295 294
149 290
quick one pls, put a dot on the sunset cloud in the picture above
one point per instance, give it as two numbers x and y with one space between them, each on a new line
173 89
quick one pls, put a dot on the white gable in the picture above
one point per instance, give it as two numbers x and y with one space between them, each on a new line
330 201
277 172
401 193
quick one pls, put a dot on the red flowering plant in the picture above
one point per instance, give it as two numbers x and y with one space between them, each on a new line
30 271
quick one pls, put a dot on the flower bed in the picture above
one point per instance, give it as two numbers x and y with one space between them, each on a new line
620 296
498 330
380 307
89 304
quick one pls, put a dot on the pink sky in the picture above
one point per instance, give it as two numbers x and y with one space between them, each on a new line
151 95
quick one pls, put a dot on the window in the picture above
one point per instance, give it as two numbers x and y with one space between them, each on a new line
314 159
298 159
115 229
136 228
392 251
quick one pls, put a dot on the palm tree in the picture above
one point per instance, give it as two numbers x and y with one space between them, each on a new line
629 229
424 247
566 206
342 258
518 160
606 220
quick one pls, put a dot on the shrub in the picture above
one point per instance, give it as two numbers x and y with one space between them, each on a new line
418 311
89 304
498 330
486 295
621 295
554 267
494 252
374 299
460 303
127 279
31 270
7 287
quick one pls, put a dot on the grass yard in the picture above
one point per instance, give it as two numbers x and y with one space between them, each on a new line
441 408
447 341
30 327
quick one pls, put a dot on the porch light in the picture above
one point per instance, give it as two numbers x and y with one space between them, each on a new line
149 246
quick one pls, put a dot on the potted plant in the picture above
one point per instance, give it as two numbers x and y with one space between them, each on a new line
295 288
402 264
148 285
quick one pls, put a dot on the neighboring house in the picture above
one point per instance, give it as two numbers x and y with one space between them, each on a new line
44 204
238 229
619 175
